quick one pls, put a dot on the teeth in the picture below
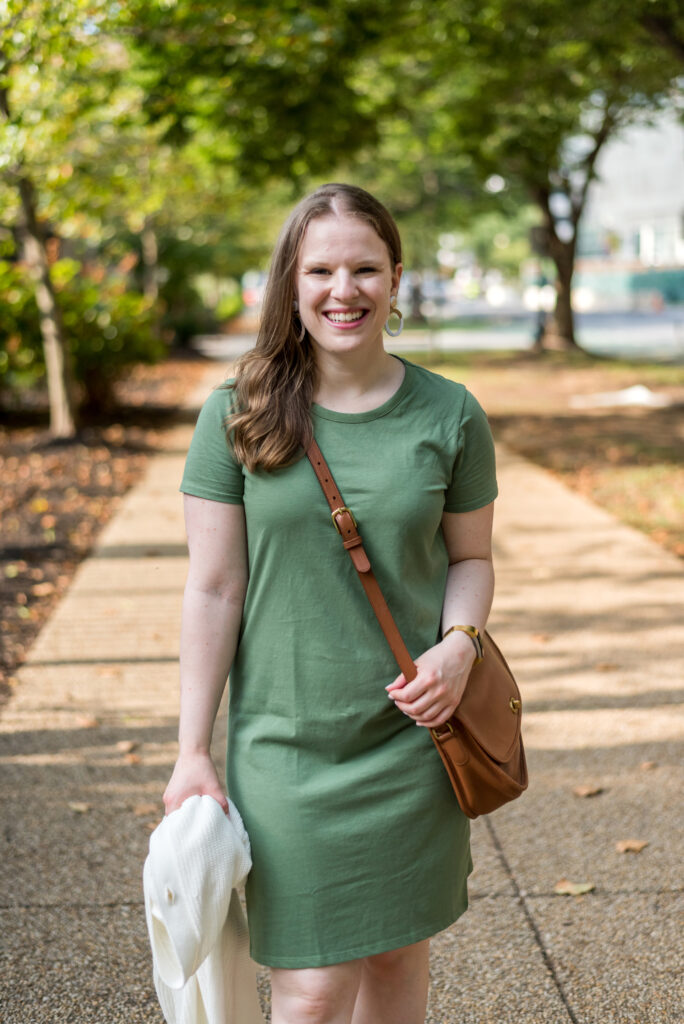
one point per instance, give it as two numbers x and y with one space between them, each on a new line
344 318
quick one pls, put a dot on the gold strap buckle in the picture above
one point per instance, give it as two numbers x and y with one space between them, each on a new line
338 512
440 735
515 705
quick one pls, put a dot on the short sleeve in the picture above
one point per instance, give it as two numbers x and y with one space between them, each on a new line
473 482
211 469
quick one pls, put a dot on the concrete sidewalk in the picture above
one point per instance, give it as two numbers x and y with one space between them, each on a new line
589 613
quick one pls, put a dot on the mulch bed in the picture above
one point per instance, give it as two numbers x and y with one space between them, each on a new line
57 496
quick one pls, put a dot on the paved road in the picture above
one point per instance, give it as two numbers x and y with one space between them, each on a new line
658 336
589 613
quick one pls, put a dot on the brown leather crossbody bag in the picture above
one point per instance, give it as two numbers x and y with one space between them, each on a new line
481 744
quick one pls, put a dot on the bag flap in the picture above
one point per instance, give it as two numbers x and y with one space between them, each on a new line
491 708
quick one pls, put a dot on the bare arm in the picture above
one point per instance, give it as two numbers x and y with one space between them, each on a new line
212 613
433 696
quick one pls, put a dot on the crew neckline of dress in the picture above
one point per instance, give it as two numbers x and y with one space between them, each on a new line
370 414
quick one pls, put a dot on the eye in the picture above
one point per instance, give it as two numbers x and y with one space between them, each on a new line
319 270
367 270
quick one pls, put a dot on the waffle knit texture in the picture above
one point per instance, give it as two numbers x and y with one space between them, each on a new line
200 944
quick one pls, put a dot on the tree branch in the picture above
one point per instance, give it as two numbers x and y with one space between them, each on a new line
664 30
589 164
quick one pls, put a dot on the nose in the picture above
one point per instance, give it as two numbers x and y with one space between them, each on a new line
344 285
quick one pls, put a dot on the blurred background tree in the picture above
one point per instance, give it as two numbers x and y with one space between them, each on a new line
148 152
522 101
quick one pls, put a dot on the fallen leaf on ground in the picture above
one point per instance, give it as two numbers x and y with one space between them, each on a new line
127 746
541 638
87 721
133 759
43 589
647 766
606 666
79 808
631 845
585 791
567 888
142 810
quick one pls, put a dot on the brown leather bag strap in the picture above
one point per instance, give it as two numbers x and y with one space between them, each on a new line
345 524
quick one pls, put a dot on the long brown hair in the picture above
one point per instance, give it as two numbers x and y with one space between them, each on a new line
274 382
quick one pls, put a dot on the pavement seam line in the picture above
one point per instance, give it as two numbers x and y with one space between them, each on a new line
548 962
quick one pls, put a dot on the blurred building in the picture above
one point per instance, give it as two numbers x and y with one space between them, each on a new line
631 242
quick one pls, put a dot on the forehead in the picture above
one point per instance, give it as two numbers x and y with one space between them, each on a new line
338 237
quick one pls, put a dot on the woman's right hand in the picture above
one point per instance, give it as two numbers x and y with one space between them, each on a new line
194 774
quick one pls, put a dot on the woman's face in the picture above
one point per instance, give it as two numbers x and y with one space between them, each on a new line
343 283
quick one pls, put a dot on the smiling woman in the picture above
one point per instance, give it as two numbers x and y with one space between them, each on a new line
360 850
345 285
276 381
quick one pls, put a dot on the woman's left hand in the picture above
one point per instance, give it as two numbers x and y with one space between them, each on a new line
432 697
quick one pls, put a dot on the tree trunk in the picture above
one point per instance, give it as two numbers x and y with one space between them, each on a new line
557 332
59 379
57 364
150 260
560 333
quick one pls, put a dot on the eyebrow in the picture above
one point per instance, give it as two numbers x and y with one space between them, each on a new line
323 261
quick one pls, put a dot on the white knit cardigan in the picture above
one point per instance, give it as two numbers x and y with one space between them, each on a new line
203 973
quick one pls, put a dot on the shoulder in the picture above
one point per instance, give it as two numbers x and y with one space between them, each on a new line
443 394
434 383
221 401
216 410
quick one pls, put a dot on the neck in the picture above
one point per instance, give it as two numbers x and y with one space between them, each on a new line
357 383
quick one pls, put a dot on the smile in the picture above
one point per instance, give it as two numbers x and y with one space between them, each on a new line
345 318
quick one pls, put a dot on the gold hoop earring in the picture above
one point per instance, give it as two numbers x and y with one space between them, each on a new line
302 333
394 312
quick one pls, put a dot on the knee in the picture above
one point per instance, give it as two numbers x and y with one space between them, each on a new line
311 997
399 964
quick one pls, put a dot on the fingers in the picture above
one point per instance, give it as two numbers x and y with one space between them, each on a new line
418 700
434 721
175 798
427 707
224 805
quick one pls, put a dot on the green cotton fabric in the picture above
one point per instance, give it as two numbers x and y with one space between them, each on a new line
358 843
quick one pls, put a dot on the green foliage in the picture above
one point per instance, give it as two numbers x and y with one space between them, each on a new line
109 327
21 354
229 306
183 130
276 81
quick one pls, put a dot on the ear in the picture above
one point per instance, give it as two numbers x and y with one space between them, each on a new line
396 278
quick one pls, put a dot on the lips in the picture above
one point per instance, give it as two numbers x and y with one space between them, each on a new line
344 318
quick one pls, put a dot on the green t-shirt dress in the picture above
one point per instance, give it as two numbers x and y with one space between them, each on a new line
358 843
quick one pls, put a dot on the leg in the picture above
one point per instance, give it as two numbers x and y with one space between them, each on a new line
394 986
316 995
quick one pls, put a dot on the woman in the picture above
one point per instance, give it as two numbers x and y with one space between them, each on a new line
360 850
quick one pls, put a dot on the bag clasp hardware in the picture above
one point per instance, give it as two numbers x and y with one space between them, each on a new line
338 512
515 705
440 735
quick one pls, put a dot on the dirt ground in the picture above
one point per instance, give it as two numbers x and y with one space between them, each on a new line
629 459
56 496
